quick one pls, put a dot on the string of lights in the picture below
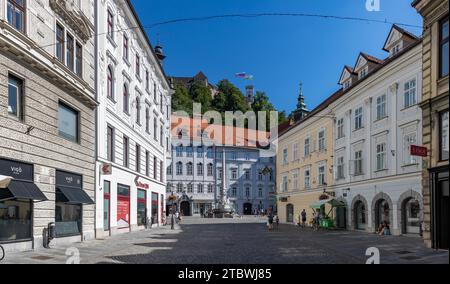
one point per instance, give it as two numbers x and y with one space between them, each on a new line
255 15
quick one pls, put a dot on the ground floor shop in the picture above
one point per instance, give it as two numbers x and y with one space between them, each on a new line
440 209
36 200
397 202
126 202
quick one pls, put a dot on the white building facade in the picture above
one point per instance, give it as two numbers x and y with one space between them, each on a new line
377 121
133 122
196 179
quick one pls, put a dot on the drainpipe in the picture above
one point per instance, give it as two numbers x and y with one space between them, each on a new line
96 112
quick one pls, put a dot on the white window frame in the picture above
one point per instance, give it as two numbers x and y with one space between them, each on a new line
410 93
321 175
295 152
381 162
358 118
321 140
284 184
295 178
358 163
409 139
340 168
340 128
381 107
307 147
285 156
307 175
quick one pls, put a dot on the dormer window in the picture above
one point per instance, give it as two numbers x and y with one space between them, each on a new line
347 84
396 49
362 73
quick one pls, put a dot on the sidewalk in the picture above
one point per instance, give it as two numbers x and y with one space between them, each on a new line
96 251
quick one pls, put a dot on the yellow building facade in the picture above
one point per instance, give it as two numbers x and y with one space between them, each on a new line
304 164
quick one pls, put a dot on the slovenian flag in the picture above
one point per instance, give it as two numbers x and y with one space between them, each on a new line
244 75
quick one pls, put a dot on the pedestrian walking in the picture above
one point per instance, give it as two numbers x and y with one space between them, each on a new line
177 217
303 215
270 222
315 221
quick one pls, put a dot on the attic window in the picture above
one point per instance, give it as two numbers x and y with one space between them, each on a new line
347 84
362 73
395 49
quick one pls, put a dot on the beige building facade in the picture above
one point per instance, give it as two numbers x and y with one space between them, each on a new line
435 108
304 164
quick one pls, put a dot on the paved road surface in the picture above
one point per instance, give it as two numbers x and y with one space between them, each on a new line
239 241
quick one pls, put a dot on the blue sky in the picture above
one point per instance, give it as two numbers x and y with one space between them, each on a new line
278 51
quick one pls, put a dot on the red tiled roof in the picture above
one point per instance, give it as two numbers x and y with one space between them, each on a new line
218 134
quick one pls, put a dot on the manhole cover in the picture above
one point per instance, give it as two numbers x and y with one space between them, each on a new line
41 257
411 257
403 252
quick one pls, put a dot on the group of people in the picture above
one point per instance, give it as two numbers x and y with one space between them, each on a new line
384 229
314 222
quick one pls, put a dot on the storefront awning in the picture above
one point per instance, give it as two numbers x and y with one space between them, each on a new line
74 195
22 190
332 202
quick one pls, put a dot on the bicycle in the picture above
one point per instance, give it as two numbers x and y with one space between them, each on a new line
2 253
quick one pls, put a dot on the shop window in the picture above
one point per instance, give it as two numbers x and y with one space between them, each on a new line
106 204
155 219
67 217
141 208
15 220
69 201
123 206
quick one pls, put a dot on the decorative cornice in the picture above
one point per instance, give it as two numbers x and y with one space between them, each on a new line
74 17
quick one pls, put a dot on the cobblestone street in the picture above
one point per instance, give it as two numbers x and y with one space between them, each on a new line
238 241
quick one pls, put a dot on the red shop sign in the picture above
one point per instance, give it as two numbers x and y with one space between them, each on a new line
419 151
141 184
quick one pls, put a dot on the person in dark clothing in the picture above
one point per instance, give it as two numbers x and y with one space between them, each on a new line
303 215
270 221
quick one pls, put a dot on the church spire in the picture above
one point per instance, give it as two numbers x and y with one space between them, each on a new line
301 111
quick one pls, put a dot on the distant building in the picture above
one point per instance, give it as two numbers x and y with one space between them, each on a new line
195 175
250 94
201 78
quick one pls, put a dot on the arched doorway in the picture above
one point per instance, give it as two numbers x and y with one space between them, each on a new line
341 219
247 209
411 216
382 212
360 215
290 213
185 208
